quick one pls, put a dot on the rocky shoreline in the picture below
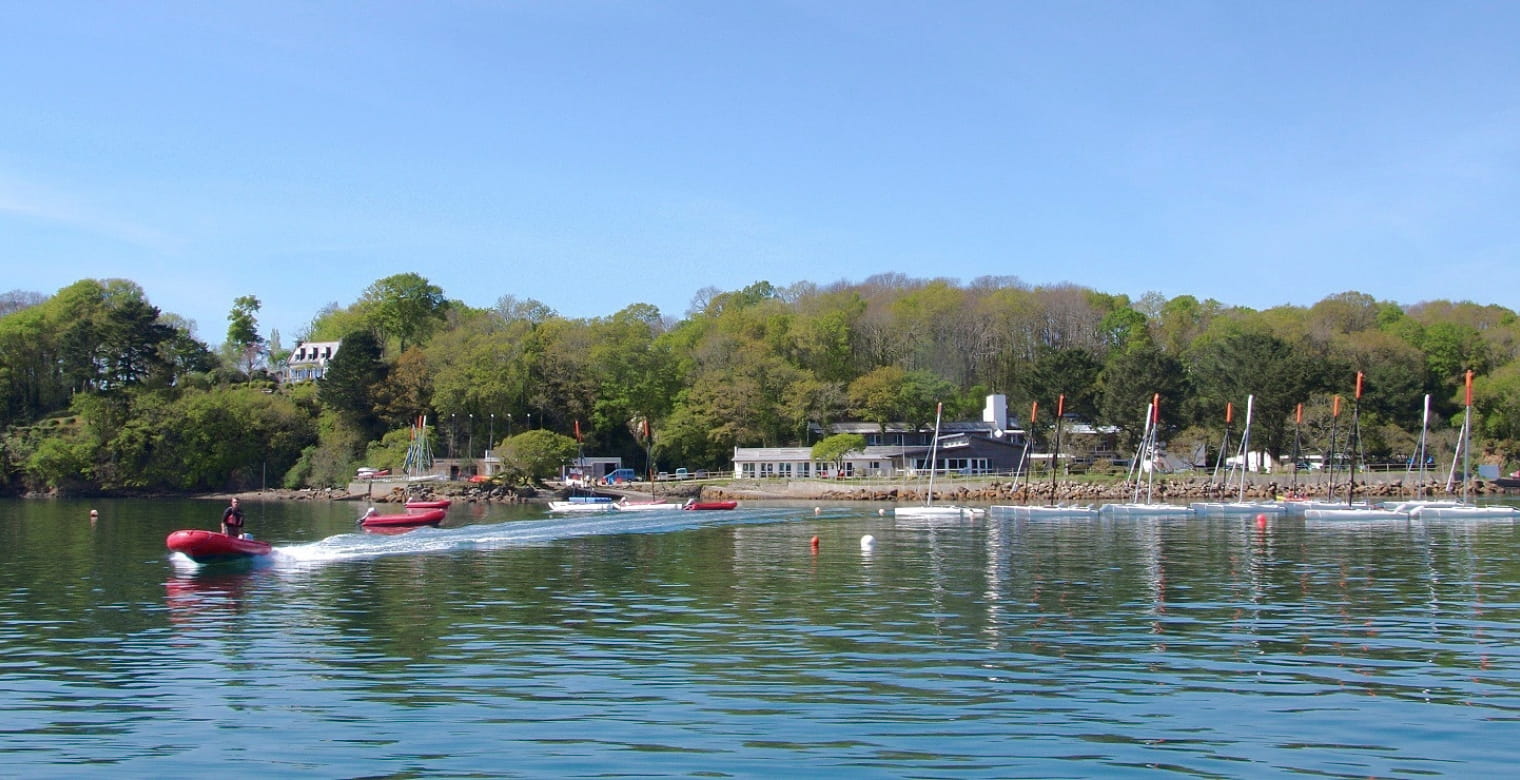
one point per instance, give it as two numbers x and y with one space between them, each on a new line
968 491
1263 487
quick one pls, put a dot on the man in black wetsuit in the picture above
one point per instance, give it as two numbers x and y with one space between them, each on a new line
232 520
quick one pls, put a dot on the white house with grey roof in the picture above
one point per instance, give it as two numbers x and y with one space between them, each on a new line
308 361
992 445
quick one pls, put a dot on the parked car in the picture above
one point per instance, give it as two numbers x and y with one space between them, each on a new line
372 473
620 476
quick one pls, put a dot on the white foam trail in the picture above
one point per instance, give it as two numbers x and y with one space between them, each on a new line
359 546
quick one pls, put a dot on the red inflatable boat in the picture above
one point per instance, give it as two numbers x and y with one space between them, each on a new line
709 505
211 547
410 519
442 503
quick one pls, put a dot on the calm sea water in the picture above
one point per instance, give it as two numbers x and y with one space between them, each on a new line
510 643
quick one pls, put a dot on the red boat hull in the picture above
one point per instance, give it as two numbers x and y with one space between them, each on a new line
408 520
439 504
710 505
210 546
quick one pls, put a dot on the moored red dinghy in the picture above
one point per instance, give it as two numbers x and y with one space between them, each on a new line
695 504
409 519
442 503
211 546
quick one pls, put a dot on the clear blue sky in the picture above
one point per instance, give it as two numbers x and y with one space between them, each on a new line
592 154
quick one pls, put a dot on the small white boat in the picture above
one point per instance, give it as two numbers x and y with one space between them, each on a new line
1016 511
625 505
944 511
929 510
1465 512
583 504
1298 506
1238 508
1357 513
1142 471
1146 510
1412 504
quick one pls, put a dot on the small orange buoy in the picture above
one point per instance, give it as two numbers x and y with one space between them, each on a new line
814 543
1261 519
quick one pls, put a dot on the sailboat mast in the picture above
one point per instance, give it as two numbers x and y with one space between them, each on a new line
1298 446
1055 454
1136 473
1420 450
933 452
1356 441
1224 444
1335 416
1153 447
1034 410
1245 447
1467 439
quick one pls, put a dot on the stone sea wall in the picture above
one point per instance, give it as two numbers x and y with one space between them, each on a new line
1172 489
1083 491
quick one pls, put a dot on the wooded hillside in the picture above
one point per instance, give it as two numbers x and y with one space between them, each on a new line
100 391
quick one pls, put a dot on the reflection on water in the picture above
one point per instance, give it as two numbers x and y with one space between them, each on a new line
216 594
726 643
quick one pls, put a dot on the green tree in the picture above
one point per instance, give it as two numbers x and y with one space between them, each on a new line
1452 349
1069 372
350 384
536 455
833 449
243 339
1246 363
877 396
1131 379
1496 404
405 307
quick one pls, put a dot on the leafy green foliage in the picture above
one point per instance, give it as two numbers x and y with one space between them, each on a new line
351 384
536 455
149 407
405 307
833 449
243 339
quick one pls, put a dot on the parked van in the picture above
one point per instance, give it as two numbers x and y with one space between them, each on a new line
620 476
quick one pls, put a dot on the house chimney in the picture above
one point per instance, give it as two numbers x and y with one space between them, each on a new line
996 411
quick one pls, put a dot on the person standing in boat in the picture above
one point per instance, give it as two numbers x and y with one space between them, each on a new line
232 519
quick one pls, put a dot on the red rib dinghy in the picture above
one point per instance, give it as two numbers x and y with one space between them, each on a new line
441 503
409 520
212 547
709 505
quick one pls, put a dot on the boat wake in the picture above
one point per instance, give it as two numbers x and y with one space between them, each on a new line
521 533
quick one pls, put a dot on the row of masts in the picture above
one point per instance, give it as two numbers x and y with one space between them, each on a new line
1143 466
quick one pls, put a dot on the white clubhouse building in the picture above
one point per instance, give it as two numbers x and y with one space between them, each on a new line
992 445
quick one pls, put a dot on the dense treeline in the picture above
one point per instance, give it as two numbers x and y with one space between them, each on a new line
100 391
